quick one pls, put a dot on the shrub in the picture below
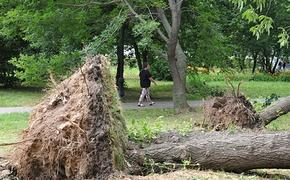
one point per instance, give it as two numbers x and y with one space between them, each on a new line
142 131
34 70
160 70
7 75
198 86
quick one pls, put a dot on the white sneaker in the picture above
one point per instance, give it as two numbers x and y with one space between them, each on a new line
141 105
151 104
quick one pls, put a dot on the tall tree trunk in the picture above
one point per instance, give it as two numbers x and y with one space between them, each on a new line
175 55
255 56
137 55
120 55
145 56
179 83
219 150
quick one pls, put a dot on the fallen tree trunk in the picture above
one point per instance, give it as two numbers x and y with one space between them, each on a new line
218 150
276 110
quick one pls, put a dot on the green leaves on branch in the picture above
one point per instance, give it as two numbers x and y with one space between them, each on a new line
106 39
264 22
146 31
260 4
250 15
34 70
239 3
283 38
264 25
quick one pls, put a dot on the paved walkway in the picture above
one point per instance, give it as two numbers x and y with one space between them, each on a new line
132 105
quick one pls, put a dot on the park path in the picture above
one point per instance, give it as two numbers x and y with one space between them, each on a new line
130 105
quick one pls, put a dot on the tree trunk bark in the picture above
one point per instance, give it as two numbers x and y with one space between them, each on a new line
276 110
137 55
120 58
219 151
120 54
176 57
255 56
178 71
145 57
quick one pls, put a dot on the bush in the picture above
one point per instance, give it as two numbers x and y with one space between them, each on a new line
160 70
35 70
198 86
7 75
285 77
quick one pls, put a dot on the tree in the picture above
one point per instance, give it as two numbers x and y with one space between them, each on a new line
175 54
263 21
55 33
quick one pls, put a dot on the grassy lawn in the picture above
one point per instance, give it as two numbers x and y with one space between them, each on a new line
258 89
145 123
141 123
11 126
160 92
163 90
19 97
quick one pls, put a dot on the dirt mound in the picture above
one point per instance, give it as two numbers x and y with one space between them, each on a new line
77 132
222 112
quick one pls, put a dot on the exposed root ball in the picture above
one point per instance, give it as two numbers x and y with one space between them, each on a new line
221 112
77 132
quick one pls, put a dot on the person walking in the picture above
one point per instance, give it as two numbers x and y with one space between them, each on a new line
145 82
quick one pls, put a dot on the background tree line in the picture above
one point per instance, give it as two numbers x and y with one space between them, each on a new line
40 38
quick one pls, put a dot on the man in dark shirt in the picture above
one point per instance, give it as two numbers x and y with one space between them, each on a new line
145 82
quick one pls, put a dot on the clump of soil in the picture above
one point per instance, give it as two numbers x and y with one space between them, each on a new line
222 112
76 132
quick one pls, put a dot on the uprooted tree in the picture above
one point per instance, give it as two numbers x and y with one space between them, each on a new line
77 132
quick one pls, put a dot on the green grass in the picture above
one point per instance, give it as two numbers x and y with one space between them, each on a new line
160 92
146 123
19 97
163 90
11 126
258 89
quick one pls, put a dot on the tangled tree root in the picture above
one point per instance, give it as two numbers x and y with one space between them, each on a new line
77 132
222 112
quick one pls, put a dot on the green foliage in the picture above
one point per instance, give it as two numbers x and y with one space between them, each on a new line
283 38
142 131
7 77
104 42
160 70
260 105
35 70
55 33
145 29
198 86
203 35
264 25
264 22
